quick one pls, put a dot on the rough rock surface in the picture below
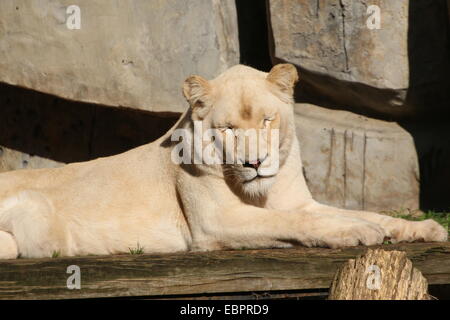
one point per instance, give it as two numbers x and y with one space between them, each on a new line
355 162
132 53
398 70
332 37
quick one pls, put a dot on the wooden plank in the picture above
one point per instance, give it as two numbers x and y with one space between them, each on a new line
200 273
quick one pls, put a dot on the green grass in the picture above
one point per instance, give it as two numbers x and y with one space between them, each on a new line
137 250
56 254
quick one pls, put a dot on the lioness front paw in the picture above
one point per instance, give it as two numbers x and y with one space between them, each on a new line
427 230
353 233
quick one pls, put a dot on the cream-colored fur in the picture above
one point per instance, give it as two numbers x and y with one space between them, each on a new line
142 198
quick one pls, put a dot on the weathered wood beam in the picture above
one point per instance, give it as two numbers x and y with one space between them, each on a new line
200 273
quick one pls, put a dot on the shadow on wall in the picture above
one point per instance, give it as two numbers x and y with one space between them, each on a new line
67 131
429 69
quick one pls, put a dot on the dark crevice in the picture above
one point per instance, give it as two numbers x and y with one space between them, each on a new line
344 39
363 184
68 131
253 34
429 88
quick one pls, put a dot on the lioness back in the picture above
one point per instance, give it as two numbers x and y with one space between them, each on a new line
103 206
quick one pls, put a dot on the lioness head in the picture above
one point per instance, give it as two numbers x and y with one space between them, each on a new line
252 113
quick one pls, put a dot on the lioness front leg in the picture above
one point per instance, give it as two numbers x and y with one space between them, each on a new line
253 227
397 229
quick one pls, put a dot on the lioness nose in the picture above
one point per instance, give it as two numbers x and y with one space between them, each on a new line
253 164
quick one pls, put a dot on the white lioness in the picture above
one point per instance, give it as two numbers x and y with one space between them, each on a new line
143 198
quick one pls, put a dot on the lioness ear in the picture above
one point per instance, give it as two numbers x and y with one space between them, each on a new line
284 76
196 91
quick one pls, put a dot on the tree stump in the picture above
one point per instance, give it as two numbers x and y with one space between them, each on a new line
379 275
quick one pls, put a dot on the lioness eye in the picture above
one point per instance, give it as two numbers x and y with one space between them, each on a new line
226 129
267 121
